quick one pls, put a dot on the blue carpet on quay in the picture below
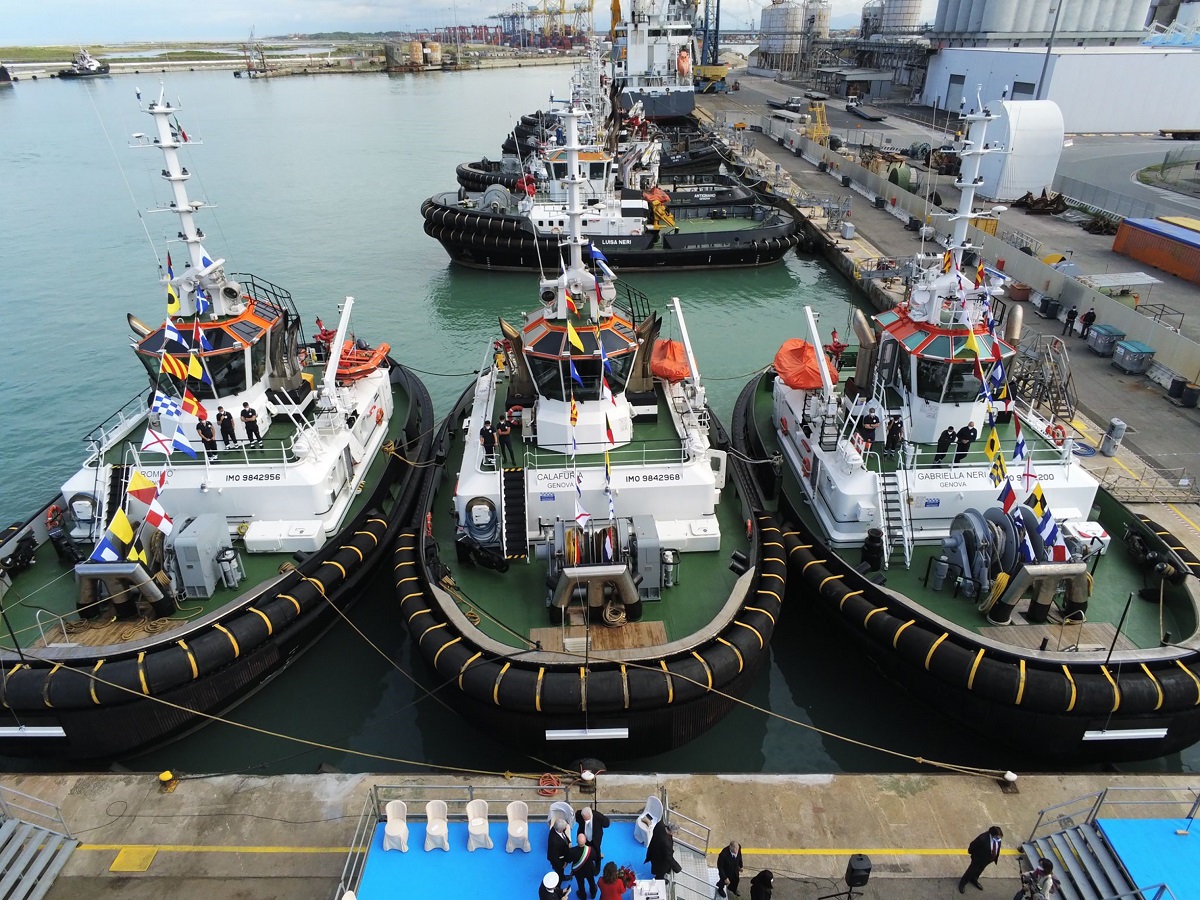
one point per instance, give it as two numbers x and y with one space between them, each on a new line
1153 853
392 875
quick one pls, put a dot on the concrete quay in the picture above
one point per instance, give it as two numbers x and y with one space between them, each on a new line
289 836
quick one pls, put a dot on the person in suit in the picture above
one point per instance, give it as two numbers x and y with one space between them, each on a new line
945 439
660 853
558 846
966 437
984 850
583 867
592 823
729 869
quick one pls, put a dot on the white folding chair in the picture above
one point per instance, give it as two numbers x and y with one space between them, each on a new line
436 829
561 809
518 827
395 833
478 834
651 816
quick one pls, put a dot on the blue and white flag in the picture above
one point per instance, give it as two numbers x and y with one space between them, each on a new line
202 303
166 405
1048 529
1023 543
106 551
181 443
1020 450
575 372
597 253
171 333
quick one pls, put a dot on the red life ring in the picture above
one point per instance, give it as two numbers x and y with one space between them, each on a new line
749 529
783 425
379 416
428 524
54 516
1057 433
805 466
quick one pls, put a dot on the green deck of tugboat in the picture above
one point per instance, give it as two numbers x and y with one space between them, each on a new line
51 587
1114 575
511 605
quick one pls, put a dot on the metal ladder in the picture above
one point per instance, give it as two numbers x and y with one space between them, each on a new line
896 530
31 856
512 486
1041 375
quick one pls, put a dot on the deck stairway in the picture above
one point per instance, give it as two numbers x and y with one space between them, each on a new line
1084 865
899 537
118 479
31 856
513 486
1041 374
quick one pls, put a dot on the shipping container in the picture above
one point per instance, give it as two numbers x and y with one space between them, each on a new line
1182 221
1162 245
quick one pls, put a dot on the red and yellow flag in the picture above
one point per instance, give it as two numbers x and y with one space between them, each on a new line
172 366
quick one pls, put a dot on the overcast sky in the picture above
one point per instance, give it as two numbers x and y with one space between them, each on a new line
112 21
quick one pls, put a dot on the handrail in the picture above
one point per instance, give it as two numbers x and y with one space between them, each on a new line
1110 797
37 617
8 804
357 858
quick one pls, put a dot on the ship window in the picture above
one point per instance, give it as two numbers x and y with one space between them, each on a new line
258 356
559 170
597 171
964 384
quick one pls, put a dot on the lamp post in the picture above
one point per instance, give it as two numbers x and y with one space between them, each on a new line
1049 47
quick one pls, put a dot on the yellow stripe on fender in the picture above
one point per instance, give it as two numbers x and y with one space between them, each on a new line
799 547
465 666
1157 686
900 631
974 669
435 628
265 618
846 596
583 674
771 593
813 562
496 689
1191 675
826 581
936 644
334 562
142 671
1074 690
355 549
625 685
320 587
423 611
92 690
751 628
772 575
295 602
867 617
46 685
191 658
763 611
670 683
237 651
1116 690
1020 682
736 652
707 670
448 643
537 694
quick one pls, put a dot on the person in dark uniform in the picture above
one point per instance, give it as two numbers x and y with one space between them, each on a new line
208 437
966 437
504 432
558 847
945 439
867 425
551 887
1087 320
1072 313
984 851
487 437
729 869
250 420
225 423
895 436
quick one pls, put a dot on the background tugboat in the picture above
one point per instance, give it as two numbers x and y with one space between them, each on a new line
84 65
583 588
172 575
1030 605
653 51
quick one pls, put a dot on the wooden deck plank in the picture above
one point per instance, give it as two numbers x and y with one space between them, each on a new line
109 632
1060 636
630 636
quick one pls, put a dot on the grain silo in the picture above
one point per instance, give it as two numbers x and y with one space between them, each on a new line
872 18
816 18
900 16
782 35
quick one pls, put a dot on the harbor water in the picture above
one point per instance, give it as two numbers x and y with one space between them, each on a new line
317 183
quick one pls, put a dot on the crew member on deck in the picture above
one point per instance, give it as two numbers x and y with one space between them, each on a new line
945 439
208 437
966 437
225 423
487 437
867 425
250 420
504 432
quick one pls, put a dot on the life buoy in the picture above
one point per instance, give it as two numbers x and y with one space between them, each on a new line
1057 433
429 524
805 466
54 517
379 416
783 425
555 230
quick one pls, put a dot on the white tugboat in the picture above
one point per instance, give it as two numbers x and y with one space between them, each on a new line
653 53
948 526
188 560
574 546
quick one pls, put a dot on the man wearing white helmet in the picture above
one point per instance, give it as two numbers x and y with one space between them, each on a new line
551 888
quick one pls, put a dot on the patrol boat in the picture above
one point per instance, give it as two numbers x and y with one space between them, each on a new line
167 579
999 581
615 581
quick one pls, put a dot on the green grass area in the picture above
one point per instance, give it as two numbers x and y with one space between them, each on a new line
1150 175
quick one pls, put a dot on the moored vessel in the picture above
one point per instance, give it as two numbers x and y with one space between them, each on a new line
946 523
84 65
608 576
653 51
193 556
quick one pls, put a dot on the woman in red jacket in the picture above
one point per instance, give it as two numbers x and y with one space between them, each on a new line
611 887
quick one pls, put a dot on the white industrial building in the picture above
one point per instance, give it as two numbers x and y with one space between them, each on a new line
1098 89
1022 23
